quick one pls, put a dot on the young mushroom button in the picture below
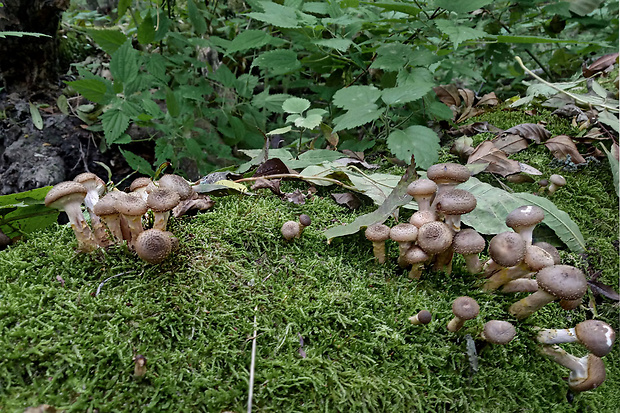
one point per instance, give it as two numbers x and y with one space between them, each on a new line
506 250
498 332
290 230
423 191
557 181
469 244
153 245
178 184
378 234
423 317
404 235
464 308
452 204
416 257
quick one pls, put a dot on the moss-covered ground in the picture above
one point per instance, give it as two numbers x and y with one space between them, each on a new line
192 317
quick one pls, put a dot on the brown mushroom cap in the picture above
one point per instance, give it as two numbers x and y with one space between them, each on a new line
420 218
63 192
595 375
178 184
455 202
597 336
557 180
424 317
448 173
434 237
305 220
537 258
507 249
465 308
553 251
290 230
138 183
162 200
107 204
468 241
5 241
90 181
525 216
415 255
422 187
562 281
404 233
377 232
498 332
130 205
153 245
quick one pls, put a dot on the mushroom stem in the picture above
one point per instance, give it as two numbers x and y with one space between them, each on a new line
160 220
415 273
456 324
567 360
80 227
423 317
520 285
556 336
473 263
378 249
443 261
530 304
505 275
587 372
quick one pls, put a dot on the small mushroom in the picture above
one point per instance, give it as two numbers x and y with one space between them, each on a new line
447 176
416 257
542 184
106 210
498 332
535 260
177 184
464 308
595 335
434 237
304 221
587 372
140 365
551 250
556 181
423 317
378 234
423 191
142 187
506 249
162 201
153 245
524 219
68 197
96 188
132 208
420 218
452 204
403 234
570 305
469 244
558 282
290 230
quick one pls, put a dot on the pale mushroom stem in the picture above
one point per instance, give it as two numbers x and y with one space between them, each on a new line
473 263
454 222
160 220
99 232
378 249
80 227
556 336
416 271
504 276
403 247
456 324
527 233
135 227
575 364
520 285
443 261
530 304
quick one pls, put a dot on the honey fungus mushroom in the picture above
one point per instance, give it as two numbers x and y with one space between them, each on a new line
498 332
447 176
556 181
404 234
506 249
162 201
464 308
423 191
423 317
587 372
378 234
153 245
595 335
524 219
452 204
469 244
290 230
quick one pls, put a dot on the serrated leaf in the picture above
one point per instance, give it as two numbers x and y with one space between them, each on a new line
281 16
278 62
357 117
462 6
249 39
124 63
340 44
396 6
295 105
108 40
272 103
196 17
4 34
138 163
172 103
146 30
37 120
458 33
92 89
406 93
392 57
115 123
356 96
416 140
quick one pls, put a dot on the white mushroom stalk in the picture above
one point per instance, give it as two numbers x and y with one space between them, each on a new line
597 336
535 259
587 372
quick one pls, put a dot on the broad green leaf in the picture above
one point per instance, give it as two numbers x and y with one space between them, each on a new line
172 103
282 16
416 140
392 57
357 117
311 119
461 6
271 103
613 165
146 30
92 89
609 119
279 131
295 105
584 7
313 157
123 5
124 63
396 6
224 76
278 62
138 163
354 97
196 17
108 40
25 212
63 104
409 92
340 44
115 123
458 33
249 39
37 120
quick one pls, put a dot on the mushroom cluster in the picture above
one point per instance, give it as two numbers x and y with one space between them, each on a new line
117 217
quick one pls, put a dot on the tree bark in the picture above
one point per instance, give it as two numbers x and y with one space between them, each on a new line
30 63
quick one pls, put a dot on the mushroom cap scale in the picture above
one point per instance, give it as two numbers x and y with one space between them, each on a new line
455 202
141 182
537 258
415 255
465 308
162 200
403 233
178 184
507 249
377 232
106 205
68 190
553 251
562 281
90 181
434 237
498 332
130 205
597 336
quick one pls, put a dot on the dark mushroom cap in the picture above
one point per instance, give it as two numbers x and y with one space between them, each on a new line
424 317
420 218
377 232
455 202
177 184
422 187
557 180
305 220
404 233
130 205
465 308
434 237
64 191
498 332
415 255
507 249
562 281
139 183
153 245
290 229
596 375
443 173
468 241
525 216
107 204
597 336
537 258
551 250
162 200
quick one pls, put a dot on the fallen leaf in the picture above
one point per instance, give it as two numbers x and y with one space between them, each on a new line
348 199
529 131
469 112
197 203
354 154
468 97
530 170
272 184
219 176
598 288
273 166
349 161
561 146
496 159
601 64
448 94
510 143
571 111
297 197
490 99
615 151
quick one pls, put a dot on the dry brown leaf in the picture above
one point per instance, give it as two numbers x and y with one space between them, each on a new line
273 166
448 94
498 162
509 143
519 178
530 170
571 111
348 199
297 197
488 100
198 203
529 131
354 154
469 112
468 97
600 65
272 184
561 146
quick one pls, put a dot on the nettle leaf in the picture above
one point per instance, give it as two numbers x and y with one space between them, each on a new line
249 39
197 19
340 44
458 33
356 96
357 117
311 120
407 92
416 140
271 103
108 40
115 123
399 7
146 30
295 105
92 89
462 6
124 63
392 57
281 16
138 163
279 62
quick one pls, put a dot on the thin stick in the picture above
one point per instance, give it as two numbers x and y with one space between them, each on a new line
252 364
297 176
551 85
108 279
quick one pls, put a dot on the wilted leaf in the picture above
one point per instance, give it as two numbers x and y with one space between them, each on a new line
348 199
448 94
198 203
561 146
509 143
218 176
530 170
272 184
297 197
605 290
497 160
468 97
600 65
490 99
571 111
273 166
529 131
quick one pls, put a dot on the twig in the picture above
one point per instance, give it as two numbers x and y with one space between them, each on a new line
108 279
297 176
252 365
552 86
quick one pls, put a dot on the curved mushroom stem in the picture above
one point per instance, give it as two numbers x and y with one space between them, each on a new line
530 304
403 247
443 261
490 267
520 285
506 275
577 365
416 271
456 324
556 336
160 220
80 227
473 263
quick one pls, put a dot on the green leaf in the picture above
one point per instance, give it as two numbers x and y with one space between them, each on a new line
340 44
278 62
224 76
123 5
92 89
37 120
357 117
584 7
4 34
271 103
458 33
416 140
108 40
124 63
172 103
295 105
25 212
311 120
354 97
407 92
115 123
280 131
392 57
535 39
396 6
609 119
613 164
312 157
63 104
146 30
440 111
462 6
282 16
138 163
196 17
249 39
